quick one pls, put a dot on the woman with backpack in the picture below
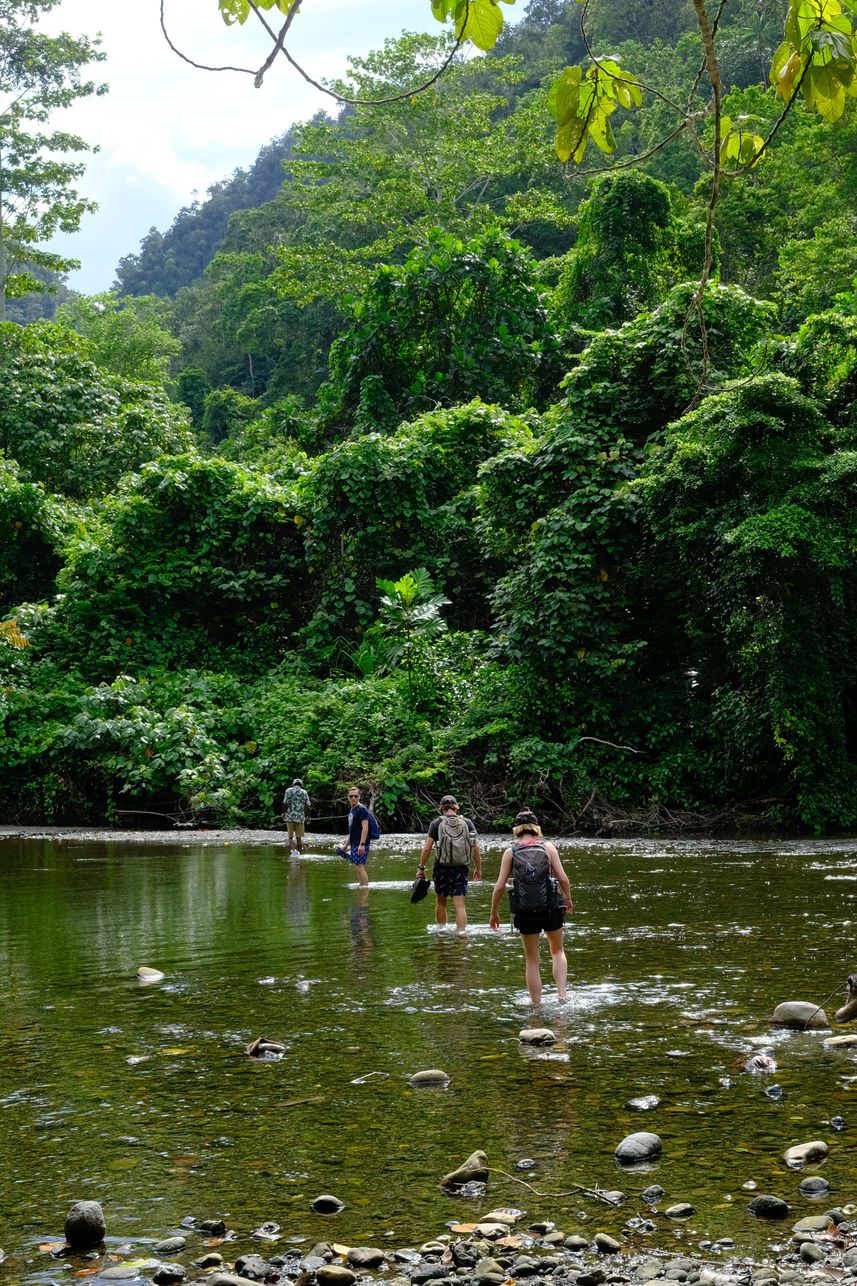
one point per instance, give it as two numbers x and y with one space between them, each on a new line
539 898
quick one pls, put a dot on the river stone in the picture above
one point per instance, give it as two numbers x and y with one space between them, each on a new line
592 1277
488 1270
681 1210
326 1204
653 1194
170 1246
167 1274
648 1269
253 1267
643 1103
473 1170
335 1275
226 1279
146 974
576 1242
799 1013
366 1257
465 1254
429 1273
605 1244
810 1253
805 1153
814 1186
505 1214
811 1223
536 1036
119 1273
433 1076
766 1207
641 1146
832 1042
849 1259
85 1226
211 1260
526 1266
491 1231
213 1227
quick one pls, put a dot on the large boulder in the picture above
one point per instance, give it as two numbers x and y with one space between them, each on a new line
85 1226
801 1014
635 1148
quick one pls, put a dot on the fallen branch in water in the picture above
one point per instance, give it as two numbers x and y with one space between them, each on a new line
576 1188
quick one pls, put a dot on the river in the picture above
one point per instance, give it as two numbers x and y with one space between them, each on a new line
141 1097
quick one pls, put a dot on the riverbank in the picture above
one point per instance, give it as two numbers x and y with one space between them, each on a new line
500 1249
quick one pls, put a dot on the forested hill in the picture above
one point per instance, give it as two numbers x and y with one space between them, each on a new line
461 468
167 261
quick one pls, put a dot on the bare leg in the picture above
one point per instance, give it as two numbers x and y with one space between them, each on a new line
362 874
531 955
460 913
559 964
440 910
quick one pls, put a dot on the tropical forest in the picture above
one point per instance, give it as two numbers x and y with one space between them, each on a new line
495 429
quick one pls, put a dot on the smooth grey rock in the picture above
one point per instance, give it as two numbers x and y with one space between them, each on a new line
335 1275
210 1260
366 1257
806 1153
167 1274
642 1146
653 1194
810 1253
226 1279
605 1244
849 1259
801 1014
170 1246
85 1226
465 1254
213 1227
119 1273
576 1242
525 1266
254 1267
311 1263
648 1269
473 1170
327 1204
681 1210
486 1269
536 1036
592 1277
432 1076
814 1186
765 1206
811 1223
429 1273
837 1042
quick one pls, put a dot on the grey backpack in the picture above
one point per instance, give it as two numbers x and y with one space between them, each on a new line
454 841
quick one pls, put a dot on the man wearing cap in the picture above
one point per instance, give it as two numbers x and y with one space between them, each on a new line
295 813
455 837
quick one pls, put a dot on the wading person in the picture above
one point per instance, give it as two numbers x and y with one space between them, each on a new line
455 837
355 847
295 814
539 899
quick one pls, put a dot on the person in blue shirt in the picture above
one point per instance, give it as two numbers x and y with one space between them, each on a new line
355 847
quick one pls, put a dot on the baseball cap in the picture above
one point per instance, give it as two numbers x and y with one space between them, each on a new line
448 801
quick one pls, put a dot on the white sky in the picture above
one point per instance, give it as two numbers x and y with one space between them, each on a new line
167 130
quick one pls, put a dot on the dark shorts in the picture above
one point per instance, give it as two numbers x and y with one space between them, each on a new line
539 921
450 881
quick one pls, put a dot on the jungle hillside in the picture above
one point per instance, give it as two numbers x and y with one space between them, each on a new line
417 457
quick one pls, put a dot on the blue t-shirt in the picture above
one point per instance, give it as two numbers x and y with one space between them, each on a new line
356 818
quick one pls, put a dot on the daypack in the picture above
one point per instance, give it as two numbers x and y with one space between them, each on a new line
454 841
374 828
532 884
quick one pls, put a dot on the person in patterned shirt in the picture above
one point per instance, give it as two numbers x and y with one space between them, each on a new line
295 814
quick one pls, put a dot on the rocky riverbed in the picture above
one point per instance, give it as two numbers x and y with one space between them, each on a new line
502 1247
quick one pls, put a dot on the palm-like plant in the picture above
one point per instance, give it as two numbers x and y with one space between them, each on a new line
410 617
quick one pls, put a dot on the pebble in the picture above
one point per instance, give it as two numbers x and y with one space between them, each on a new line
432 1076
167 1274
642 1146
536 1036
605 1244
171 1246
814 1186
653 1194
810 1253
366 1257
681 1210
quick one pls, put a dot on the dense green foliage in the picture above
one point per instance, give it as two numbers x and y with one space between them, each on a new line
438 476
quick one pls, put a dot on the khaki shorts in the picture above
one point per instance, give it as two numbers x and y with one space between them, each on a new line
295 828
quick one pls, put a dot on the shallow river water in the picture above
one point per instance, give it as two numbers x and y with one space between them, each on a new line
141 1097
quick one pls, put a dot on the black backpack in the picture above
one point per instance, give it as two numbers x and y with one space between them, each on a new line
532 884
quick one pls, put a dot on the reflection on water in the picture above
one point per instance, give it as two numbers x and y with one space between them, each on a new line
143 1098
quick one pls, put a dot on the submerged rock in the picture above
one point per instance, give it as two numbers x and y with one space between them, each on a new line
473 1170
653 1194
814 1186
536 1036
681 1210
327 1204
263 1047
634 1148
432 1076
85 1226
768 1207
147 974
805 1153
801 1014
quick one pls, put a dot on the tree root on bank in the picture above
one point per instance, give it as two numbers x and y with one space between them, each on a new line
577 1189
